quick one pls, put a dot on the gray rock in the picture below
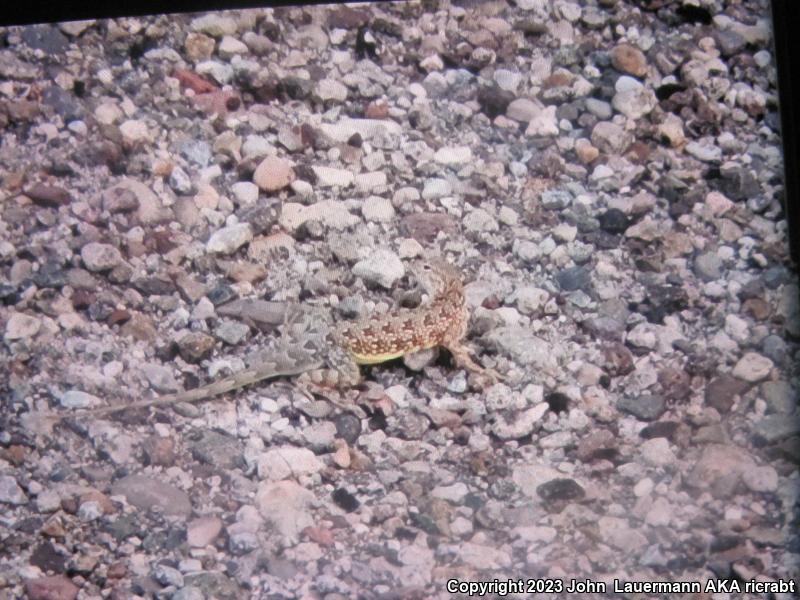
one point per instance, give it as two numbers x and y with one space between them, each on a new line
383 267
229 239
779 396
708 266
89 511
46 38
320 436
76 399
167 575
530 299
382 133
329 177
593 17
760 479
189 592
330 89
721 392
752 367
524 348
222 451
522 110
777 427
203 531
719 469
231 332
286 506
455 155
646 407
21 326
634 103
100 257
283 463
519 424
197 152
180 181
229 47
643 336
436 188
64 103
48 501
378 210
574 278
220 72
245 192
214 25
146 493
10 492
599 108
242 542
705 152
774 347
370 182
729 42
479 221
214 584
556 199
657 452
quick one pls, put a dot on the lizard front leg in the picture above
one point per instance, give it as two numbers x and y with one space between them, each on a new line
462 358
343 374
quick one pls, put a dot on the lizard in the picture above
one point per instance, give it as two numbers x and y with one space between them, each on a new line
335 356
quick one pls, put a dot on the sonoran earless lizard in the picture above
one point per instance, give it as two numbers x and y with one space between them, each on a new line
333 363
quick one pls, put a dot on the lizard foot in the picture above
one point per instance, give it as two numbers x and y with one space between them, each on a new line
311 389
483 377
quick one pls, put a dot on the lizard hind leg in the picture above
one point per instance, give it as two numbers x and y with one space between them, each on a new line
331 383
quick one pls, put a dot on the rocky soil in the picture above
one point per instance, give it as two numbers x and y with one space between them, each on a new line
606 173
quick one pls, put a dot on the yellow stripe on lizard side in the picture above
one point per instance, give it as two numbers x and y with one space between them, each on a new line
374 359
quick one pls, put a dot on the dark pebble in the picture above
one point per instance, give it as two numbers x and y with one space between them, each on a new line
220 450
50 275
574 278
45 37
729 42
774 348
154 285
647 407
560 490
754 288
47 558
347 18
738 183
494 101
65 104
557 402
345 500
195 346
49 196
665 429
663 300
221 294
722 391
348 428
260 217
614 221
774 277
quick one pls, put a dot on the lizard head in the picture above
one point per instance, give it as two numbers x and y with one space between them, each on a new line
435 275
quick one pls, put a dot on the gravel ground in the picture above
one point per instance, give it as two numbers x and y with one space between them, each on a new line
606 173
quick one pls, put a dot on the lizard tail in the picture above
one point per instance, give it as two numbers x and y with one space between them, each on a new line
228 384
